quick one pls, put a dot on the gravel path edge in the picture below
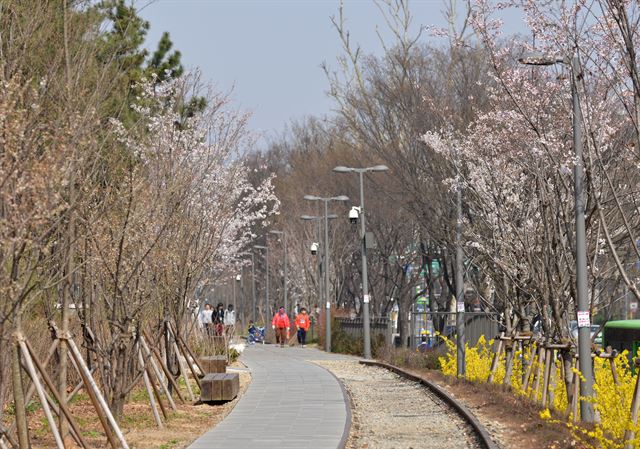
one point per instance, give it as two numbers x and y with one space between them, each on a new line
467 415
348 405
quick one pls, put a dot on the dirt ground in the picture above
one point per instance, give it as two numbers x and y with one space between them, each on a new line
183 426
513 421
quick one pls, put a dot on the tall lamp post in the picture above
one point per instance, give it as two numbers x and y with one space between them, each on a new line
284 242
365 281
266 248
584 321
326 200
318 248
253 285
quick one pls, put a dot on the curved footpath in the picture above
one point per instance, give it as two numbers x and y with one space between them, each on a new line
291 403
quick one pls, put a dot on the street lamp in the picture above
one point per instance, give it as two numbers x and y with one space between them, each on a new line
365 287
284 240
315 247
326 258
266 248
584 321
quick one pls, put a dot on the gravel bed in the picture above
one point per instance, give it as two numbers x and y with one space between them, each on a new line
390 412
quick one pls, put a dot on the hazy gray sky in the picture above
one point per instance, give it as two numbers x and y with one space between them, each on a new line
270 51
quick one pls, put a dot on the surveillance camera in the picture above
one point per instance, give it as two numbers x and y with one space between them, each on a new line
238 277
314 248
354 213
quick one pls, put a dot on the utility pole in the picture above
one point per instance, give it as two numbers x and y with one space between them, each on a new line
460 337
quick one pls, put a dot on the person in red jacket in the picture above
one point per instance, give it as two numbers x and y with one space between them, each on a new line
280 324
302 324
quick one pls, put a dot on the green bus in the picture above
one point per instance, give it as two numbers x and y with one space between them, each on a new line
623 334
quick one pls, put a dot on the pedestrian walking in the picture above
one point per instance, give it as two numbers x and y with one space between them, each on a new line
206 318
218 319
281 325
229 319
302 324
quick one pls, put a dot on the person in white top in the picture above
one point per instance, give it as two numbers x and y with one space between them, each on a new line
206 318
229 319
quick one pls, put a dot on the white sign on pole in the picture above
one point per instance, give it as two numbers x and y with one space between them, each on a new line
328 305
633 305
583 318
460 306
366 299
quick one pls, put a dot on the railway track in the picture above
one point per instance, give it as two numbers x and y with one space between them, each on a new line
392 409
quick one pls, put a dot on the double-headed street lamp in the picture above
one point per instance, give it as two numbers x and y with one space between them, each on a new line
284 242
584 321
365 287
326 200
266 248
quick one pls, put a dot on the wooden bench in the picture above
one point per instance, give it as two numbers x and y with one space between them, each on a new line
219 387
213 364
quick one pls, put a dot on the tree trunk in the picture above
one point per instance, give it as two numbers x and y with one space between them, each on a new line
18 397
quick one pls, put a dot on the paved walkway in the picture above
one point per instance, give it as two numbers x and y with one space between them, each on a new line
290 404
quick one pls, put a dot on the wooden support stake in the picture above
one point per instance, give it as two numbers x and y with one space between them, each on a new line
509 351
547 370
193 357
527 376
614 372
552 379
147 384
61 404
100 404
538 375
41 393
190 365
496 359
78 387
629 435
183 371
165 370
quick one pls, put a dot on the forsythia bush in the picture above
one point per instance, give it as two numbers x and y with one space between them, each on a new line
612 402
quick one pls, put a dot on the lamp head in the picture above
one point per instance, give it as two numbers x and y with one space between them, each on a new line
538 58
311 197
341 198
380 168
342 169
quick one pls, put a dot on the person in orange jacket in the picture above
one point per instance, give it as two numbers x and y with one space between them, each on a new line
280 324
302 324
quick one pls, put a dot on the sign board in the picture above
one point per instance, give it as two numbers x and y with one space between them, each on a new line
460 307
583 318
366 299
328 305
633 305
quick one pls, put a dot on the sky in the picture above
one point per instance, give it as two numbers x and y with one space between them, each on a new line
269 52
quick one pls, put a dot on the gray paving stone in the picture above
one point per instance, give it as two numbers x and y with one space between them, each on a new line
290 403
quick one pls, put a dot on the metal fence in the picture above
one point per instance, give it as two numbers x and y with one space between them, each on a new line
379 326
476 324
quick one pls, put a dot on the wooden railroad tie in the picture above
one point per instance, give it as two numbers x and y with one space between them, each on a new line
220 387
213 364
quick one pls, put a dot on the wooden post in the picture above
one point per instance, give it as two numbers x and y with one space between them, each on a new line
509 351
61 404
180 351
635 405
41 393
538 375
496 359
193 357
165 370
614 372
147 384
527 376
552 378
18 396
547 371
576 392
183 371
99 404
